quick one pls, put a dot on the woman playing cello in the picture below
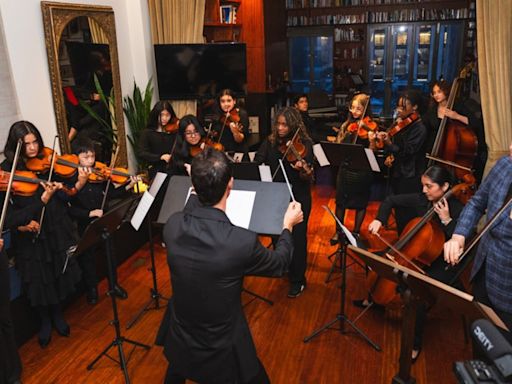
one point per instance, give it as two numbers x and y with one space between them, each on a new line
436 182
353 186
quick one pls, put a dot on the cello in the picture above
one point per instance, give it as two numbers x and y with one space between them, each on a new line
422 241
455 142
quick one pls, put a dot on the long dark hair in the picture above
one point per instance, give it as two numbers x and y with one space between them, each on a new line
415 97
439 175
18 131
443 86
181 152
154 115
293 120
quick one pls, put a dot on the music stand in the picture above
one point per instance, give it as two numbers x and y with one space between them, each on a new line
353 156
245 171
154 295
341 316
102 229
421 288
270 205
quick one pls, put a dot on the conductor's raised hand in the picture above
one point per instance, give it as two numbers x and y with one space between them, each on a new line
293 216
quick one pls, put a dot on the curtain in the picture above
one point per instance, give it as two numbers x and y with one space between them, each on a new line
98 35
177 22
494 36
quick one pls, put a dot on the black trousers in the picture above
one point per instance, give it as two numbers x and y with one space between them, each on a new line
399 187
261 377
297 269
10 363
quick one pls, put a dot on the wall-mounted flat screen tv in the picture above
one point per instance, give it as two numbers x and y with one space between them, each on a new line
194 71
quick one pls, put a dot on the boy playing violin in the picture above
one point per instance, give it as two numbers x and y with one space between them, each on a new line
85 207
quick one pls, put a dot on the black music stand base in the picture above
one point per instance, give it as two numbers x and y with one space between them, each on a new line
155 296
341 317
256 296
119 339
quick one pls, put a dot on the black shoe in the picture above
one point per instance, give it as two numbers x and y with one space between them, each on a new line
92 296
296 289
415 354
335 239
63 329
120 292
44 337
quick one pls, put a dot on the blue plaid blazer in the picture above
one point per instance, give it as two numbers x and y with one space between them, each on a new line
495 248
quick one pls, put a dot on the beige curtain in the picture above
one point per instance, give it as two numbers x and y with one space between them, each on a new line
494 33
98 35
177 22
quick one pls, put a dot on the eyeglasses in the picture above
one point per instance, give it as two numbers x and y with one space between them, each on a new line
191 133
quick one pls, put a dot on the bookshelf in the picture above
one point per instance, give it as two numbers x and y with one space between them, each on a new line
222 21
350 20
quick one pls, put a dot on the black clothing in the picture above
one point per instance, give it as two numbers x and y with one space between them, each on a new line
352 185
152 145
40 261
204 331
309 122
432 123
270 155
227 139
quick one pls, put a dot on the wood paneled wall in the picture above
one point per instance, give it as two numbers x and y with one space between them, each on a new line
253 34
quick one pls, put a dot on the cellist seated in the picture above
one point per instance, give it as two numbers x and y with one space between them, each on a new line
444 211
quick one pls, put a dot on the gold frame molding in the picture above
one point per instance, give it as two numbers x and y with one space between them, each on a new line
55 18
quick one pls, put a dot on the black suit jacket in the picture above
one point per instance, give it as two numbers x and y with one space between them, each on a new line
205 334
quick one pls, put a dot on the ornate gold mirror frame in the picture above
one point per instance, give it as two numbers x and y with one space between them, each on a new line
56 17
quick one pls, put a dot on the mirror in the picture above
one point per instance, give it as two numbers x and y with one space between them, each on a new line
81 46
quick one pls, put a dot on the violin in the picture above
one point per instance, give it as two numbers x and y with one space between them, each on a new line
172 126
102 172
422 241
362 127
231 117
294 150
25 183
65 165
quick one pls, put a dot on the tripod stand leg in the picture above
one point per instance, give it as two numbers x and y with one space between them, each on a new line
105 351
320 330
362 334
333 266
136 343
122 360
256 296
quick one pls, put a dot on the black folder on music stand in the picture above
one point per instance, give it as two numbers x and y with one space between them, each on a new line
422 288
346 155
246 171
270 204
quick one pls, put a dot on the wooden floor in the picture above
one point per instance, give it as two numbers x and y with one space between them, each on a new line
278 330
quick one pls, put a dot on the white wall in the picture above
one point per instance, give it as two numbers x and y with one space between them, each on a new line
24 36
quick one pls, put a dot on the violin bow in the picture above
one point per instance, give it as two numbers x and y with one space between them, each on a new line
9 186
109 181
286 152
360 122
50 175
223 126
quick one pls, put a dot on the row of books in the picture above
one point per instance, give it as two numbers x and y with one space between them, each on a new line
349 53
348 35
228 14
403 15
291 4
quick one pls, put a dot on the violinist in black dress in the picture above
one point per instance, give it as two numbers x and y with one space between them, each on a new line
41 249
189 142
289 122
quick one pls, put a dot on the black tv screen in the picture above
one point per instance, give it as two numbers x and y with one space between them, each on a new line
190 71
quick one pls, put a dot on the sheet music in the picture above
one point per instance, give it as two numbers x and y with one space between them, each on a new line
372 160
252 155
265 173
142 209
238 156
157 183
320 155
239 207
347 233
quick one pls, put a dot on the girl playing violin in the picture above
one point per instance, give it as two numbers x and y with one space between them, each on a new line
85 207
42 247
406 148
436 181
157 140
353 186
190 141
288 121
440 91
232 125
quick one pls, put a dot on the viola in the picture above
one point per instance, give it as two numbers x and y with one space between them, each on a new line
422 241
172 126
25 183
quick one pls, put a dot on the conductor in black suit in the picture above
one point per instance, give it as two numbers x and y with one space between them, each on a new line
205 334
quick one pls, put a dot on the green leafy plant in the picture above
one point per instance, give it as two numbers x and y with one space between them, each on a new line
108 126
137 109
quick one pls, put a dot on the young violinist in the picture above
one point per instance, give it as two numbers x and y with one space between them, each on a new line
288 125
190 141
353 186
42 247
436 181
301 103
232 125
85 207
404 147
158 139
438 109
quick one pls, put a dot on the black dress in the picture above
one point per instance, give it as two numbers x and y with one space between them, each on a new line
353 186
152 145
270 155
227 139
40 261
